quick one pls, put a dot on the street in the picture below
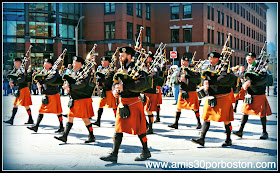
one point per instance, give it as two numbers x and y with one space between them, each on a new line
24 149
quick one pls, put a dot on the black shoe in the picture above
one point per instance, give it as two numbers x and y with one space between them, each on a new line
227 143
198 126
65 115
30 121
157 120
234 110
60 129
110 158
97 123
150 131
174 104
62 138
199 141
143 156
238 133
10 121
91 138
175 126
264 135
34 128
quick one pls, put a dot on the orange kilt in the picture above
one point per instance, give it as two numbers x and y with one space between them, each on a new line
260 106
54 105
191 103
233 100
159 95
135 124
240 95
109 101
151 102
82 109
24 98
223 111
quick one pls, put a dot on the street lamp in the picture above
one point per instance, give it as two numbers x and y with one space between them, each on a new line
76 34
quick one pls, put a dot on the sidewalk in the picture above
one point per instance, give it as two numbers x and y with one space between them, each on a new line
27 150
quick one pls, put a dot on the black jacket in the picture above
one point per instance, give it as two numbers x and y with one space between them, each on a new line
105 82
47 88
190 82
21 81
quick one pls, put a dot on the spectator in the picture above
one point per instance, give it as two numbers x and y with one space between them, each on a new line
175 86
34 84
270 80
69 69
5 83
62 71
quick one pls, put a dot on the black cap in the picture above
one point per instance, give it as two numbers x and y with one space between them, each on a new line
151 54
187 56
49 60
106 58
79 59
214 55
251 54
17 59
128 50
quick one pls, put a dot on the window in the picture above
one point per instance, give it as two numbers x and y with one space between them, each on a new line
237 26
234 24
218 16
174 12
129 31
109 30
230 41
129 9
148 11
222 18
218 38
227 21
212 40
148 34
222 38
208 36
237 45
212 14
187 35
109 8
174 35
208 12
139 10
187 11
237 8
230 22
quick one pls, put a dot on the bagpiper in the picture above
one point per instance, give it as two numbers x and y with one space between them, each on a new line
188 98
80 102
218 105
51 102
22 94
104 79
255 100
130 116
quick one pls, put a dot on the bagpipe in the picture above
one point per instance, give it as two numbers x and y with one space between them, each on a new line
259 71
86 68
197 65
112 66
21 70
41 76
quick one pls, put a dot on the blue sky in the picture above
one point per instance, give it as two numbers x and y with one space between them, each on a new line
272 21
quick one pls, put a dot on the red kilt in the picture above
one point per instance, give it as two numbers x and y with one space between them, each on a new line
24 98
151 102
109 101
82 109
240 95
135 124
54 105
191 103
159 95
223 111
260 106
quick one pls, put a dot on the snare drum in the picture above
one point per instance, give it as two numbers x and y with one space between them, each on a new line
201 92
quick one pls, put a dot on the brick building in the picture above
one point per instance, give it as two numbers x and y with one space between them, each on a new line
184 27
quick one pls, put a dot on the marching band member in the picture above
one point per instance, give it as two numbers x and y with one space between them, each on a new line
151 95
80 103
135 122
237 95
51 101
188 98
259 105
220 107
22 94
105 84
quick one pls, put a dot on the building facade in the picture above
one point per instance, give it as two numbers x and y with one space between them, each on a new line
184 27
